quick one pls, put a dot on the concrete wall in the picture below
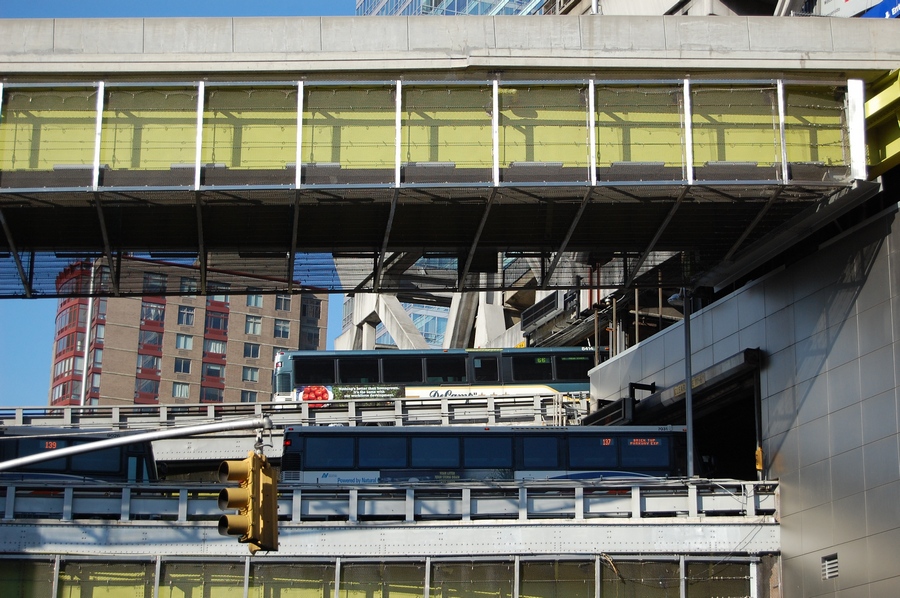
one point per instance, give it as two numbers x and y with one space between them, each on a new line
829 327
209 45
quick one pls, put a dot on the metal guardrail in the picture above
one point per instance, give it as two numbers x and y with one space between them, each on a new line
725 518
299 504
555 409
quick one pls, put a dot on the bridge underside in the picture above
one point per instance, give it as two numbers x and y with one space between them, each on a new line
350 239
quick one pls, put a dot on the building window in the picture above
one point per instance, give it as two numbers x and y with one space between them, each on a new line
74 340
211 395
217 292
251 351
312 338
99 333
248 396
250 374
67 366
182 365
185 315
95 383
154 283
254 300
213 370
152 312
282 328
143 386
214 347
283 302
188 286
149 338
253 325
181 390
216 320
310 307
184 342
147 364
98 358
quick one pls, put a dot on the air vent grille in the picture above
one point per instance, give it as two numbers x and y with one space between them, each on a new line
829 566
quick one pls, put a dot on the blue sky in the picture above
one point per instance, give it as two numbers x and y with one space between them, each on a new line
173 8
26 326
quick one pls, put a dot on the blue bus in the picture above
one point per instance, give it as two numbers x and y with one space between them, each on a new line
132 463
320 376
386 455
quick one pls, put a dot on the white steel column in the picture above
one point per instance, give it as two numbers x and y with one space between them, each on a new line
201 91
95 179
688 134
856 123
299 158
495 132
397 133
337 577
592 133
781 130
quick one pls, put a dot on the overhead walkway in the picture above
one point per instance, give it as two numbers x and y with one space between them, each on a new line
317 169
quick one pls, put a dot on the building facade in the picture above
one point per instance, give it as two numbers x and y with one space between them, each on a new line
447 7
181 349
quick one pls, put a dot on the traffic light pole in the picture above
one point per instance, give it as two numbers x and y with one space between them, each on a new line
259 422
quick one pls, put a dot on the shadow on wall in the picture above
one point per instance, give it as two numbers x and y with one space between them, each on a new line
813 375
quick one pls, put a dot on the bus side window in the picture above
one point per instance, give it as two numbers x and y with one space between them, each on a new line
588 452
486 369
327 453
34 446
435 452
445 368
402 370
573 367
387 451
532 368
132 468
646 452
490 452
539 452
358 370
313 370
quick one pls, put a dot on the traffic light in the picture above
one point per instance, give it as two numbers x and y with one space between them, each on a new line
256 501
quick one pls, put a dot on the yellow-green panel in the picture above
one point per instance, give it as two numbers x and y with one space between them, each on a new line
472 580
45 128
640 580
718 580
543 124
149 129
560 579
98 579
25 579
188 580
292 581
735 125
639 124
449 125
250 128
816 126
353 127
396 580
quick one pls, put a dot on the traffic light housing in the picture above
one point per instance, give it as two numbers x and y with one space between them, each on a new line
255 499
